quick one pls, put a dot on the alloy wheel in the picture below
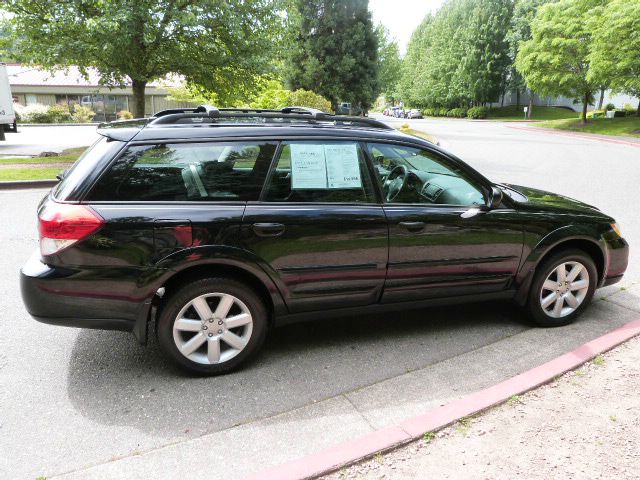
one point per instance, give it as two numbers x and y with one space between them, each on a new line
564 289
212 328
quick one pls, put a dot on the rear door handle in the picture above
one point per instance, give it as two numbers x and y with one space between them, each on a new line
413 226
268 229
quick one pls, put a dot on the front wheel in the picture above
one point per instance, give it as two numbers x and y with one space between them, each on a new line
562 288
212 326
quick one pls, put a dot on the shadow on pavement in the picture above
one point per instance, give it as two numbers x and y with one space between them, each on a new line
115 381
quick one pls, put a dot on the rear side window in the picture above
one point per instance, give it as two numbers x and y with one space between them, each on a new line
187 171
321 171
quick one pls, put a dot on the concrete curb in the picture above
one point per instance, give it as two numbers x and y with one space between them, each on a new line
587 136
23 184
334 458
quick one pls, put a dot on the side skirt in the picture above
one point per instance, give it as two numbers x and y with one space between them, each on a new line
390 307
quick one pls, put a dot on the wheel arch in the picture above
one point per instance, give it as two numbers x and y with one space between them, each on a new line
553 244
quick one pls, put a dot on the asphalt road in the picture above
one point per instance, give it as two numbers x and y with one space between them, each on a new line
70 399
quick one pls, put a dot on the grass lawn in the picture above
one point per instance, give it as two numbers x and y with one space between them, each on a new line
626 126
13 174
539 113
419 134
41 169
66 156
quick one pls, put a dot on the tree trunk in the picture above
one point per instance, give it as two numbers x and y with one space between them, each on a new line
585 105
530 110
638 111
138 87
601 98
518 99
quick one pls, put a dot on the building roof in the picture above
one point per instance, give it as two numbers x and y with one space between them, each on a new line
27 75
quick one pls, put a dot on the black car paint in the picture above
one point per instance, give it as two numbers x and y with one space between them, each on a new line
331 258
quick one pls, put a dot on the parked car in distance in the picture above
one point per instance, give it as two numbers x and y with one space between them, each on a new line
414 113
216 225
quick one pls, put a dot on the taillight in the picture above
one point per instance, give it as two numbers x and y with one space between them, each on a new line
62 225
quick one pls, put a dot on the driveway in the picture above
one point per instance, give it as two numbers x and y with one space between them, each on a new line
93 404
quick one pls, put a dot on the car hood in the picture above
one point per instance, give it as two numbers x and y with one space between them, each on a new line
552 202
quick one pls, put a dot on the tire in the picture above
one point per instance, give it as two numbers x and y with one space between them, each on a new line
570 297
235 344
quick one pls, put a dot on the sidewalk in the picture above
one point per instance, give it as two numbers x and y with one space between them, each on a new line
585 425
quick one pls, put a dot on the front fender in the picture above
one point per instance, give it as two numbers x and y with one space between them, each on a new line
555 238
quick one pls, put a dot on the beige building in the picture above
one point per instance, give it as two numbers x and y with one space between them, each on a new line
31 85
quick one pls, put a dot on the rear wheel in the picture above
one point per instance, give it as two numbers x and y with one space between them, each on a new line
562 288
212 326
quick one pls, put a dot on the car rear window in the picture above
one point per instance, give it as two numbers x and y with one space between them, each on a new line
187 172
88 164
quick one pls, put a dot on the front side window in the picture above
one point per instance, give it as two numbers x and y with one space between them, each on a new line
188 172
320 171
415 175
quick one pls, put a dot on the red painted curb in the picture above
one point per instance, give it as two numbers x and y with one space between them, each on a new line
575 135
352 451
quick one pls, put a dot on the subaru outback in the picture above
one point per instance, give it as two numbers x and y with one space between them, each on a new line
215 225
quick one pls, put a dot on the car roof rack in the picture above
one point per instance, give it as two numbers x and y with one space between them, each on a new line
212 115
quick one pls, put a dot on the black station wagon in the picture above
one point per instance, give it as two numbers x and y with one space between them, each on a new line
217 224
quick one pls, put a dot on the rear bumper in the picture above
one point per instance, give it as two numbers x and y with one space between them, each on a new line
77 298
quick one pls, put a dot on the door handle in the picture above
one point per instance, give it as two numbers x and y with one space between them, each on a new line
268 229
413 226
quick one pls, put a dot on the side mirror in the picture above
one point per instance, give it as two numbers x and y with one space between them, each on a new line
495 198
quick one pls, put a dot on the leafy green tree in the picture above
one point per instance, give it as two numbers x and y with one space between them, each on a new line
615 47
555 61
220 45
334 52
389 64
459 56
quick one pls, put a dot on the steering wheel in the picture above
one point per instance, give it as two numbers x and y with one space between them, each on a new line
395 182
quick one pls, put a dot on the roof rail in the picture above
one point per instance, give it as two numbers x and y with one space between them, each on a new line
212 115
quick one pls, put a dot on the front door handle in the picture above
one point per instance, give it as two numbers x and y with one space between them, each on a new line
413 226
268 229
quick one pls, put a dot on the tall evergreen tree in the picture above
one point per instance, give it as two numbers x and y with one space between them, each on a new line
459 56
335 51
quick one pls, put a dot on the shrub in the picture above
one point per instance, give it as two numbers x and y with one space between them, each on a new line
596 114
428 112
630 109
124 115
58 114
609 106
307 98
477 112
32 113
82 114
457 113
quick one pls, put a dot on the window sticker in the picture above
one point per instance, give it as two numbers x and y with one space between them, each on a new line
308 166
343 166
316 166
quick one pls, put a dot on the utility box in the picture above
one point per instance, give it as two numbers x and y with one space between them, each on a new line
7 114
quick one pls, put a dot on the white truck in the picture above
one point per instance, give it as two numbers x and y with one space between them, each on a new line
7 115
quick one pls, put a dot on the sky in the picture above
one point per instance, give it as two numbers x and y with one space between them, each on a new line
401 17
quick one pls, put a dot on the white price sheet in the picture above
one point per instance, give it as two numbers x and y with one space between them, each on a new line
331 166
308 166
343 167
